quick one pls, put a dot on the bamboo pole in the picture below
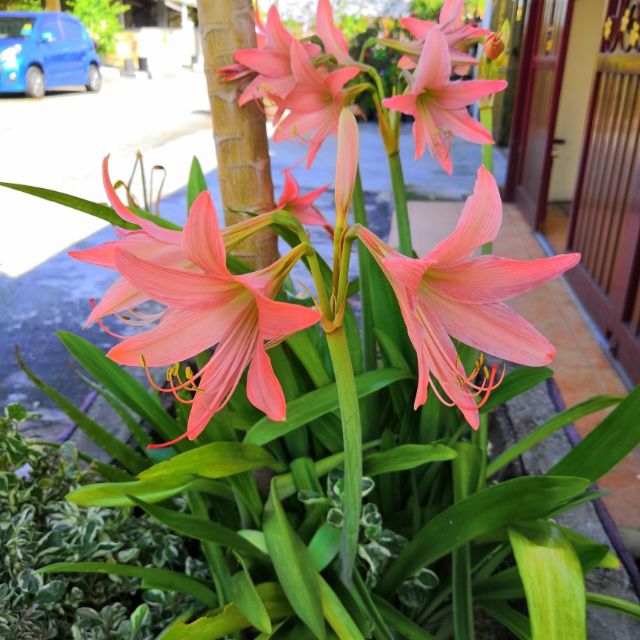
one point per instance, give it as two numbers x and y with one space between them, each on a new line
244 168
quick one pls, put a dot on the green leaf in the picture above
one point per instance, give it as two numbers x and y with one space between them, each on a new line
337 615
613 439
406 456
497 506
230 620
305 350
518 381
510 618
551 426
553 581
246 597
101 211
615 604
405 626
324 545
197 183
123 386
116 494
316 403
294 566
214 460
117 449
161 578
201 529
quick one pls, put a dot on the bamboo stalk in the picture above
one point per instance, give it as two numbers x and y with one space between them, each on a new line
244 168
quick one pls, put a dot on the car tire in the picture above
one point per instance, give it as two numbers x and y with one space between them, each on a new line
94 79
34 83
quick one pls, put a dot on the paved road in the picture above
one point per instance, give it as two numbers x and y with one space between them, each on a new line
59 142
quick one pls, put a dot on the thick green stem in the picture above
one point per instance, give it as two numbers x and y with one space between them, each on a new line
486 119
364 259
400 201
352 440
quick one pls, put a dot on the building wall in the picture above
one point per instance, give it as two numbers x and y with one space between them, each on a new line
584 42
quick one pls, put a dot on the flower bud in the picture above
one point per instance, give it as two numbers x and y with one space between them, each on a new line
493 46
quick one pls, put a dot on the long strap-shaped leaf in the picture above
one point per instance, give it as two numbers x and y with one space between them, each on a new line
553 581
317 403
111 445
294 566
161 578
614 438
500 505
214 460
124 386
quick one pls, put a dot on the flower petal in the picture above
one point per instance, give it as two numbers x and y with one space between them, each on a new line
281 319
291 189
269 63
460 123
492 279
456 95
181 334
263 388
338 78
495 329
405 104
178 287
434 65
479 223
166 235
332 38
302 67
416 27
202 241
119 296
451 11
223 373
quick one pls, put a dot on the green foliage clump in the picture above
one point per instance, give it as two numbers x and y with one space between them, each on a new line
20 5
102 20
38 527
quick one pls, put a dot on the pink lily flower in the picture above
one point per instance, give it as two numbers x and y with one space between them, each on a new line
301 206
459 35
450 293
271 61
333 39
151 242
234 313
439 106
313 107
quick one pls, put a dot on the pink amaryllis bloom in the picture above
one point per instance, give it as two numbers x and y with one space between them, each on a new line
213 307
271 61
439 106
301 206
312 110
150 242
332 38
459 35
448 292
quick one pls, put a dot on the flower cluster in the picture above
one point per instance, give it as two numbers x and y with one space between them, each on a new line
310 85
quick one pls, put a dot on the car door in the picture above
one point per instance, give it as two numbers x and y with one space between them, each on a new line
51 47
75 47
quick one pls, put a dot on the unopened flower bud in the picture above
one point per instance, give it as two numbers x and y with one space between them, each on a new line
493 46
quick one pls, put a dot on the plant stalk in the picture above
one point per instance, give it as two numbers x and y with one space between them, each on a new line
352 439
486 119
400 202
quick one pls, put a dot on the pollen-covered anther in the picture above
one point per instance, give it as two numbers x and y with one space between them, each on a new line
173 372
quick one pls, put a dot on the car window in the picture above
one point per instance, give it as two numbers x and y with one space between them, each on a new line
12 27
52 25
73 32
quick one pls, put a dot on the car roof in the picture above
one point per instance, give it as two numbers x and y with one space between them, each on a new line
35 14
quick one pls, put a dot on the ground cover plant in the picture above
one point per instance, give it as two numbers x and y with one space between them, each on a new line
336 469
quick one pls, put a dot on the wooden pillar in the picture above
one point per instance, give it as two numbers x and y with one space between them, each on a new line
244 168
53 5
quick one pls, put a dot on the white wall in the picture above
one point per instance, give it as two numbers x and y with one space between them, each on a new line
584 42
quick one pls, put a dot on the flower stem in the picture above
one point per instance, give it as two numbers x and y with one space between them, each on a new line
352 439
486 119
400 201
364 259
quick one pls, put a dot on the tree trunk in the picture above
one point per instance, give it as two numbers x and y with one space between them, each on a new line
244 168
52 5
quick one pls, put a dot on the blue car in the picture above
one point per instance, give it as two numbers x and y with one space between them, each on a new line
40 51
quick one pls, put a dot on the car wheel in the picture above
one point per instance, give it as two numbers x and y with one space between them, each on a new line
94 79
35 83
